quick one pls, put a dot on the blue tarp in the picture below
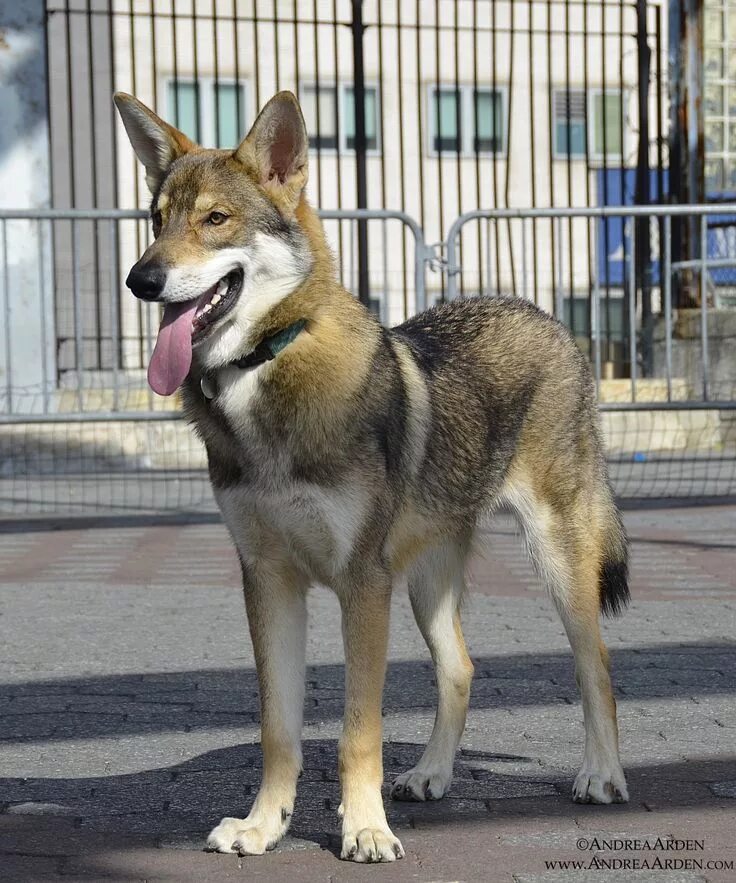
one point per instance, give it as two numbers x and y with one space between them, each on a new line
616 187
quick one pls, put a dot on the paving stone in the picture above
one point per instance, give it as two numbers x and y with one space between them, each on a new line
135 709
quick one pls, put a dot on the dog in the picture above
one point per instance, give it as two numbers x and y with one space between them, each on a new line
347 454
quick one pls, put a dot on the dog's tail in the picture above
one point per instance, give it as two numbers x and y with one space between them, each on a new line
613 579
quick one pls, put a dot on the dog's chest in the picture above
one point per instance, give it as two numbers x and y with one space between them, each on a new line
318 525
270 510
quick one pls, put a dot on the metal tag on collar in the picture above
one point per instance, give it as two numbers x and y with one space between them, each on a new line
208 386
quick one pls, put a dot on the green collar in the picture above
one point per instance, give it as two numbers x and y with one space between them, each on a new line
270 347
266 351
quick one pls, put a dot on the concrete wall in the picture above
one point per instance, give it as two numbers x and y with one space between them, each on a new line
687 352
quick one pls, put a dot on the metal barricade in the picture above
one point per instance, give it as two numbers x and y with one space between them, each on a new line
86 333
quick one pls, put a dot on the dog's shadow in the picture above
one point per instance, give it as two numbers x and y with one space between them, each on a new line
178 805
175 807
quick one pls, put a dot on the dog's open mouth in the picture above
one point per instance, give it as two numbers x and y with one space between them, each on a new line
216 303
185 324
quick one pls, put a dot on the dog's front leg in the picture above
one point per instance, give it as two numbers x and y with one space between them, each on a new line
277 616
366 836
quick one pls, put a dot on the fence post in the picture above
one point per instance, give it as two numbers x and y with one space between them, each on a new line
686 180
361 177
642 226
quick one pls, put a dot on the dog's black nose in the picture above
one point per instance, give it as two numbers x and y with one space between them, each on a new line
147 281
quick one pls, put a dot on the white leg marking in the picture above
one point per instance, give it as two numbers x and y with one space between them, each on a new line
601 779
436 584
277 616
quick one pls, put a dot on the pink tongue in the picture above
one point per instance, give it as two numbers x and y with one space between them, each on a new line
172 355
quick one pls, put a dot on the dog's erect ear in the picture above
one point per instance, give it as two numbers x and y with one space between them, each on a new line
275 151
156 143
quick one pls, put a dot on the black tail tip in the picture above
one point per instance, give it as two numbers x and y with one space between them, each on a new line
614 587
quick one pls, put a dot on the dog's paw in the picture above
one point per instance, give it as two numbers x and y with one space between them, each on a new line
243 836
222 837
371 845
600 787
419 784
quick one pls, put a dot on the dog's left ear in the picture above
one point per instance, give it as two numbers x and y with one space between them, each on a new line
156 143
275 151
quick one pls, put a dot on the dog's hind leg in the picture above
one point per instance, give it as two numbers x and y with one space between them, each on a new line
436 585
570 549
277 617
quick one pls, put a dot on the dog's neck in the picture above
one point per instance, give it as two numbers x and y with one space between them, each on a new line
265 351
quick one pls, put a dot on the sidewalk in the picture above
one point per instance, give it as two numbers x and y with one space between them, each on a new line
129 715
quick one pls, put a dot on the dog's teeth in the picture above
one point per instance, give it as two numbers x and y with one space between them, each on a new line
222 287
216 299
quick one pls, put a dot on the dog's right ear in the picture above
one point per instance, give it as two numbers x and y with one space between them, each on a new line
156 143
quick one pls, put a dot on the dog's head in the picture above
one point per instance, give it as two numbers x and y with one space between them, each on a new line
227 244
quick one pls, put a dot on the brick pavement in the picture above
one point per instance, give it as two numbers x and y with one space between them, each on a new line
128 713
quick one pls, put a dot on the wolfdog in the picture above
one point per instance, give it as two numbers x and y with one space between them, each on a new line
349 455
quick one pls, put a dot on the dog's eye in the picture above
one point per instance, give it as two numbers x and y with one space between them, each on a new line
216 218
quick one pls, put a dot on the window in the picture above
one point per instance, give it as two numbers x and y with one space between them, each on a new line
229 98
210 112
611 311
488 122
597 126
570 125
719 105
319 106
183 112
465 120
371 118
447 130
328 132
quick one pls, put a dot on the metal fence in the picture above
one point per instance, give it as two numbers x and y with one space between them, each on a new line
665 376
609 284
95 440
465 103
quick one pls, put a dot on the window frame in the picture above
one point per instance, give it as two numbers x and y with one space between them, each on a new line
592 156
207 103
342 141
467 93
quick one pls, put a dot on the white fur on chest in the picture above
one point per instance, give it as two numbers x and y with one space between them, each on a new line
318 526
237 391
